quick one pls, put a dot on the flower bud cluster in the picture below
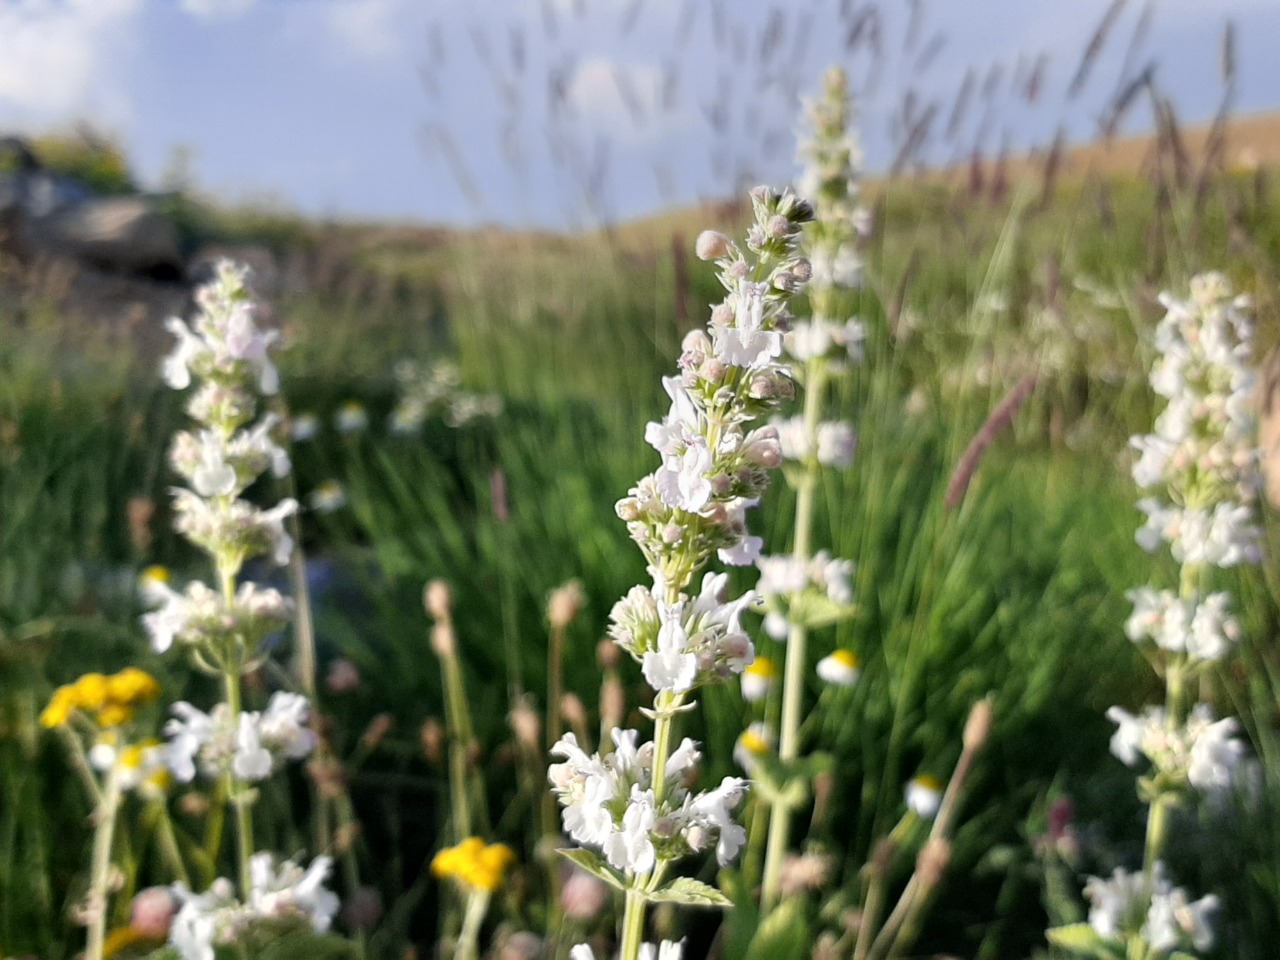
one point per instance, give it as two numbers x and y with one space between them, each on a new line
609 802
713 468
1203 753
831 172
1163 915
832 443
436 390
1204 631
278 893
809 592
227 351
686 644
1203 455
251 745
202 618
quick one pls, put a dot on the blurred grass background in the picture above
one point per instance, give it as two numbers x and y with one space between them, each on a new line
1019 591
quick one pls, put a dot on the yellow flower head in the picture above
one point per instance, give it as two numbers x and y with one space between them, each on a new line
91 691
131 686
59 709
474 863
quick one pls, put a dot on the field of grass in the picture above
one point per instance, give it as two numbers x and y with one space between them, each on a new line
1017 592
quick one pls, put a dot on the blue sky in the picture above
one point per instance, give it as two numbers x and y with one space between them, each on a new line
562 112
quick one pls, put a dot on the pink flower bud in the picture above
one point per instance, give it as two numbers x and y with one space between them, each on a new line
711 245
152 913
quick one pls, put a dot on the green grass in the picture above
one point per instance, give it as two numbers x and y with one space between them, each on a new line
1019 591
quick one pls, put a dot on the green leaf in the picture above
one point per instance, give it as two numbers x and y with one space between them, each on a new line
1082 939
594 865
690 892
783 934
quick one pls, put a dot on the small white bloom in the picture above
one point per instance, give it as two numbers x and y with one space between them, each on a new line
840 668
923 795
351 418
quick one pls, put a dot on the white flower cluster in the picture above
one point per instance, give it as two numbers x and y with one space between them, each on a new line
1203 752
220 460
1204 631
287 892
436 390
712 468
1162 914
609 802
832 443
202 618
810 593
1203 453
686 644
252 745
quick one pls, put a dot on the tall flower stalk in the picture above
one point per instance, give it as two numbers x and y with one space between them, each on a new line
1200 468
632 807
223 628
800 593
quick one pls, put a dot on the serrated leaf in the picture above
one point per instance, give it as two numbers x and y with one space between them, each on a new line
1082 939
594 865
782 935
690 892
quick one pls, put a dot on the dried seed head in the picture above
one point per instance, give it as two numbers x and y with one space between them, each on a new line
443 641
565 604
527 725
978 727
573 710
432 737
377 730
608 655
437 599
933 861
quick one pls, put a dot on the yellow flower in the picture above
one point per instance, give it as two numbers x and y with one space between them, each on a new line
91 691
114 715
475 864
59 709
131 686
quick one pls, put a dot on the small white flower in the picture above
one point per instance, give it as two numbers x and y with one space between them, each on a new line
351 418
840 668
758 679
923 795
303 427
327 497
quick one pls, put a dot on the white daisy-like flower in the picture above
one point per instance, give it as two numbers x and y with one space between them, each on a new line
841 667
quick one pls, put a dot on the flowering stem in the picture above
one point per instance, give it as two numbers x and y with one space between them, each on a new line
237 796
794 668
632 925
100 869
473 916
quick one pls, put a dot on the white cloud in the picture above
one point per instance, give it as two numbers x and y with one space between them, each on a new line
56 59
216 9
623 101
374 29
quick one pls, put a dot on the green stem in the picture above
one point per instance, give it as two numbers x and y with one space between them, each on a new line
795 664
169 843
469 939
632 926
237 796
100 868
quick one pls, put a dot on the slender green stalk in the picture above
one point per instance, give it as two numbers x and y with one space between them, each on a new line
632 925
473 915
100 867
238 796
793 672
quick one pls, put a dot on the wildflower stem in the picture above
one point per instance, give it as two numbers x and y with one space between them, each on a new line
797 635
100 869
169 843
632 925
237 796
473 916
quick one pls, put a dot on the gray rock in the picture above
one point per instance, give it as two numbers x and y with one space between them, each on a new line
122 233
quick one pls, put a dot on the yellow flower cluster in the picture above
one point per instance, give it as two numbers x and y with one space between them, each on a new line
474 864
112 698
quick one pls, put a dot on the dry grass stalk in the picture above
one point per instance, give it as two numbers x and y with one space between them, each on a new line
1001 417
